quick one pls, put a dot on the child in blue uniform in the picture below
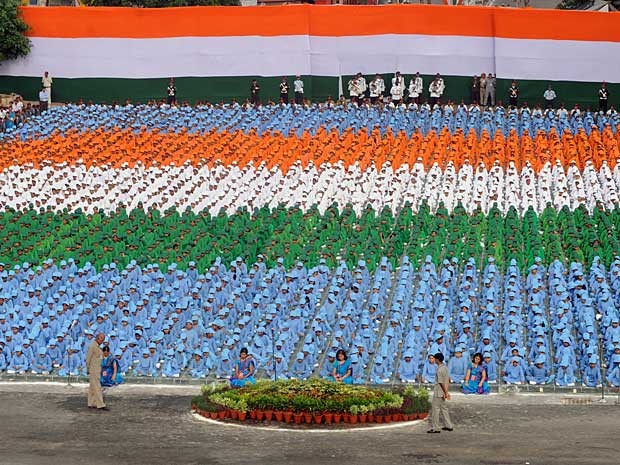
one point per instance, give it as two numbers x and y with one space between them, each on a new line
408 369
146 365
457 366
565 375
490 367
613 377
513 372
592 373
42 364
430 370
19 363
537 372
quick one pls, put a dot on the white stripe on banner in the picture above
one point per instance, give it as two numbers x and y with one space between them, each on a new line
319 56
558 60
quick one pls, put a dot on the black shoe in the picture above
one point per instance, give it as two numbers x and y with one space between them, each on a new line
103 408
433 431
447 429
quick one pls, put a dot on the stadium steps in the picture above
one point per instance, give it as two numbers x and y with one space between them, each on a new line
317 310
384 321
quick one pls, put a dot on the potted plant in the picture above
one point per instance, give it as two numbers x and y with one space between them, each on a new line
301 406
379 415
353 412
242 409
316 408
371 412
278 403
363 413
424 403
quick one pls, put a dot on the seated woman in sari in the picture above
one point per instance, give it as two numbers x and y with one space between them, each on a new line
342 372
244 370
475 381
110 370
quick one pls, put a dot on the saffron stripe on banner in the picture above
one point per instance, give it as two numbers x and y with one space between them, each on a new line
434 20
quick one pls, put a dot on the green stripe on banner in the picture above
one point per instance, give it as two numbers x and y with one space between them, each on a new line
215 89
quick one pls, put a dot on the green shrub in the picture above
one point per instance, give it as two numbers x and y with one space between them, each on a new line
312 396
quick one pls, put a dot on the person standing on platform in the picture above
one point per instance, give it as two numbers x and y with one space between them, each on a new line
550 97
47 82
513 94
483 89
436 90
398 88
475 91
491 82
284 91
254 93
440 397
172 92
43 100
603 97
416 87
94 356
298 87
377 88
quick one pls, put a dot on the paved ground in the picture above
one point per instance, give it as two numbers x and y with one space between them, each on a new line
49 424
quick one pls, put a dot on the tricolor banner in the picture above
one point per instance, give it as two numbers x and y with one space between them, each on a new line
216 50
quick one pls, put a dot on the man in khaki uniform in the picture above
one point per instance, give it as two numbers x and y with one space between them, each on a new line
93 365
440 396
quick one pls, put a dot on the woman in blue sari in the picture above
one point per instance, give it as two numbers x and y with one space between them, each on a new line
110 370
341 370
244 370
475 381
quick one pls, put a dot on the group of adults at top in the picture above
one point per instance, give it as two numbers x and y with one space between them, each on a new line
482 91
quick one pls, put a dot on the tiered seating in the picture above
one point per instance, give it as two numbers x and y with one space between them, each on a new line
156 163
299 119
174 323
187 233
165 237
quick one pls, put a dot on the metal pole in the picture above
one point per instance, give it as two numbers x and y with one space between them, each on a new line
69 355
273 354
601 358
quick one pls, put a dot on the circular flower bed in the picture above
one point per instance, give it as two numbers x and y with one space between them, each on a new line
312 402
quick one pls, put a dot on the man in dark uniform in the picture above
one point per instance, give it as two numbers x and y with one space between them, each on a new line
603 97
513 94
172 92
284 90
254 90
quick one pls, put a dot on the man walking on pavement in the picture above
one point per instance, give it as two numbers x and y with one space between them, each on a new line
93 365
440 397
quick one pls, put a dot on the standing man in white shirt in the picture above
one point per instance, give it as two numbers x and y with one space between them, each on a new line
298 87
398 88
377 88
47 82
284 91
43 100
357 88
436 90
549 96
416 87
